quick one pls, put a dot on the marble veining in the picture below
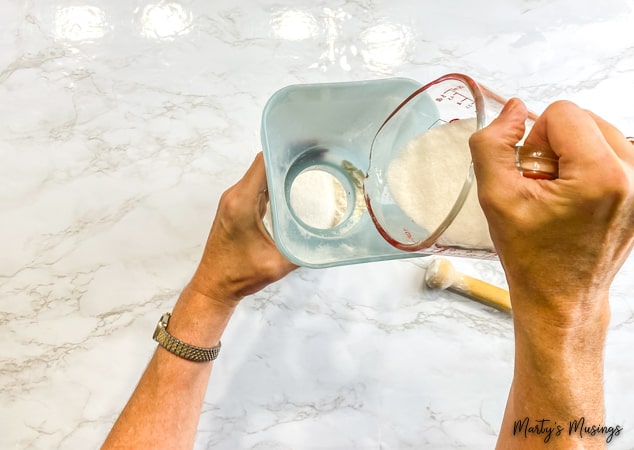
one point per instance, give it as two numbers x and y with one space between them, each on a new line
121 123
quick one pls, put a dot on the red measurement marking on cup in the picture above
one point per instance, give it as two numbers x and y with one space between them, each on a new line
408 234
456 95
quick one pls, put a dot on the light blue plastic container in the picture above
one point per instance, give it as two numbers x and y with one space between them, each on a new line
328 127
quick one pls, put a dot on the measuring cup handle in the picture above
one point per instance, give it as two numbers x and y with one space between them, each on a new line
536 163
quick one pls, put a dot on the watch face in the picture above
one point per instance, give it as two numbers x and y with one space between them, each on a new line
165 319
156 331
162 324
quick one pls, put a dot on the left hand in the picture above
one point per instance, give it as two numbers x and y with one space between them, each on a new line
240 258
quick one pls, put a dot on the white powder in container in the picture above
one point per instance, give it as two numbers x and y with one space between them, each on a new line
426 178
318 199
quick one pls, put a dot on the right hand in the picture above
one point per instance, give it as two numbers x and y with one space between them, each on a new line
560 241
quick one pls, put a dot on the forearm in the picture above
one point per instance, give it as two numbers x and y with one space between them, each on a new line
164 409
239 259
558 381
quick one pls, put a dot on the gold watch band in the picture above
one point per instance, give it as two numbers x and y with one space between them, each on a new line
180 348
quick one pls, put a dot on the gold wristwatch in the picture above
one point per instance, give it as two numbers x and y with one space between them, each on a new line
180 348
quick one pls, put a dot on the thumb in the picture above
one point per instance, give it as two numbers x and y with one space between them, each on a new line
493 147
255 177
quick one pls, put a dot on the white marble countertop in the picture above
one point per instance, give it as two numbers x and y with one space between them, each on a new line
121 123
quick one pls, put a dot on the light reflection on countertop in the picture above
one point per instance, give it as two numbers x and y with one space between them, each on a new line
387 46
165 20
294 25
80 23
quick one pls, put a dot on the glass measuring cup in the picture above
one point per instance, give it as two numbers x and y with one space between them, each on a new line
420 189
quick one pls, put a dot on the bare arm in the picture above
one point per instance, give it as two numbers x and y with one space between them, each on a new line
239 259
561 242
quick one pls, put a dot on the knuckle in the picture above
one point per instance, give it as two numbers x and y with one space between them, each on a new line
230 205
560 107
620 186
270 269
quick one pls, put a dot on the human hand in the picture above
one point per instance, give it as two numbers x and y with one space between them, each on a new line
239 257
560 241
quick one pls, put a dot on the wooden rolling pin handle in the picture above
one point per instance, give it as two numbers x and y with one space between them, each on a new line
483 292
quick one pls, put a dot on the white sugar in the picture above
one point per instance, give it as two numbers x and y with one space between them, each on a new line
426 178
318 199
